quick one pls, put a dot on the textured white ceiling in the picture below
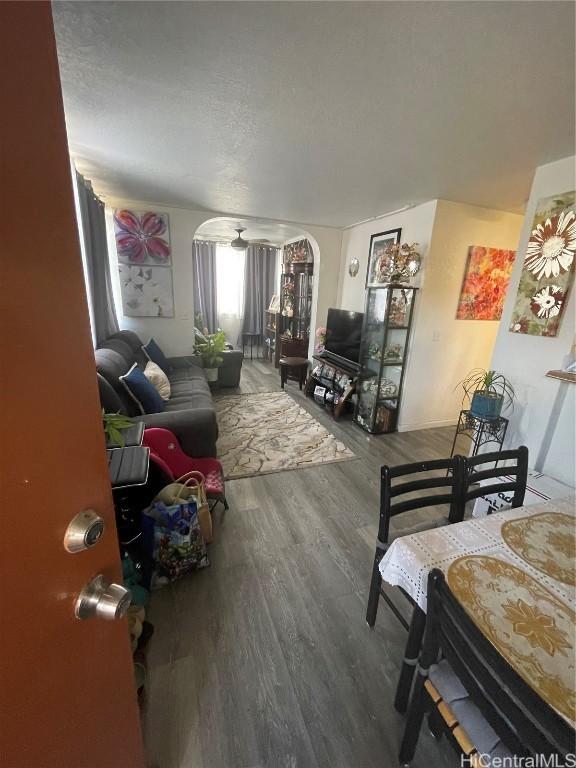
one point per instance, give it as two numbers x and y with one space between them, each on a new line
223 228
324 113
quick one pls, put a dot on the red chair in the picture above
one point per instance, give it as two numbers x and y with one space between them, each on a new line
165 450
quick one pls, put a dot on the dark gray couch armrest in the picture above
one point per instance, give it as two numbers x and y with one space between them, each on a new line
232 357
196 430
185 360
231 368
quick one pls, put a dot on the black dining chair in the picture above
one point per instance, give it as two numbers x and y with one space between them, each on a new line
495 703
398 496
403 489
516 467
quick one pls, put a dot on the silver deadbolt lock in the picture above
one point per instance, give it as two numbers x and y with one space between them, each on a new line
85 530
103 600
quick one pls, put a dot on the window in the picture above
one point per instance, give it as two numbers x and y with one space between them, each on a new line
230 291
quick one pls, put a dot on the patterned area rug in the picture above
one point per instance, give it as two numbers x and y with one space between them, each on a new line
270 432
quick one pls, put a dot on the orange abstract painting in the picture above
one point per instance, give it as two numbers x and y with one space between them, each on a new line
485 283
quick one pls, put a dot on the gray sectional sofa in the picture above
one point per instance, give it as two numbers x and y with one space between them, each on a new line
190 411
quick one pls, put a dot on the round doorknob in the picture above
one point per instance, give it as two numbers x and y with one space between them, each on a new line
102 599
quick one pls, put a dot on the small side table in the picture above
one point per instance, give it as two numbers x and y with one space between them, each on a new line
250 338
480 431
293 368
128 470
128 467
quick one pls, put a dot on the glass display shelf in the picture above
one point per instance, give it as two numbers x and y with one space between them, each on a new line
383 353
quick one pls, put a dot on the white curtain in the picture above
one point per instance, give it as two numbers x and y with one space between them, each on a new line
230 290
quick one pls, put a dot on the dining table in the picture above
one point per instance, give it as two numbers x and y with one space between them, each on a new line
514 572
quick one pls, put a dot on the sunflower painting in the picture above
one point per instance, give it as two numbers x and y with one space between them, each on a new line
548 269
485 283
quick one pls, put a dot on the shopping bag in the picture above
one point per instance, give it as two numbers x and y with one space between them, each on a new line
178 546
191 486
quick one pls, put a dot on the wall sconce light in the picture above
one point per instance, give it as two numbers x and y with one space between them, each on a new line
353 267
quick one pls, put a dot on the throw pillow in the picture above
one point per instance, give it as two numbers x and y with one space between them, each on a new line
142 391
154 353
158 379
199 336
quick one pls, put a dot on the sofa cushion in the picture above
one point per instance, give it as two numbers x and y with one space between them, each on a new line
158 379
180 376
189 389
142 390
154 353
189 402
111 365
135 343
122 348
109 400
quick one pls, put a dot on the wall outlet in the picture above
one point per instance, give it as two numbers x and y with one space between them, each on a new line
435 335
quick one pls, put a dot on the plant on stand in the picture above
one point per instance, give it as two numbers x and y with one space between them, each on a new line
488 392
211 353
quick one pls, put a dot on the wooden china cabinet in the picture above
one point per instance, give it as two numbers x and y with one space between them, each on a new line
272 336
296 298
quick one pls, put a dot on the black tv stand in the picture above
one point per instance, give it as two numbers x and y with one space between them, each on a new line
335 362
333 383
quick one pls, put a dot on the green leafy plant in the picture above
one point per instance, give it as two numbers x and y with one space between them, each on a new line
211 349
113 424
489 384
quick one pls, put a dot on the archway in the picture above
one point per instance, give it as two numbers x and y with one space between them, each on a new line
268 232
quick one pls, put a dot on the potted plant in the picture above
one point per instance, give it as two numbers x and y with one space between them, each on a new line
489 393
113 424
211 353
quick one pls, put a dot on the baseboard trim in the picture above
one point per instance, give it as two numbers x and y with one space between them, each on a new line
427 425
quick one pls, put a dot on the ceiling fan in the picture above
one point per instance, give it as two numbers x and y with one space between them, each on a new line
239 243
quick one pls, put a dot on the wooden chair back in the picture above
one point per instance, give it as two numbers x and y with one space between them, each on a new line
518 470
432 483
521 718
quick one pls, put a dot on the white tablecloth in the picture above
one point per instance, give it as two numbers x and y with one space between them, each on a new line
539 487
410 558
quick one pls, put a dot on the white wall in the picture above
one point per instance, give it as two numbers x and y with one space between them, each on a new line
175 335
444 349
544 415
416 224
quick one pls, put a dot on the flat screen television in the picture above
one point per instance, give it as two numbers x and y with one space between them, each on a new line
343 332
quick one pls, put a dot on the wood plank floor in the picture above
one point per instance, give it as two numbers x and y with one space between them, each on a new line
264 660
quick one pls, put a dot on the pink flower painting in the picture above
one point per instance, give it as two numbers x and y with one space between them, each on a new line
142 238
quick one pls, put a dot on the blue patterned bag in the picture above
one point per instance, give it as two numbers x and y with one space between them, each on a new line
177 544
